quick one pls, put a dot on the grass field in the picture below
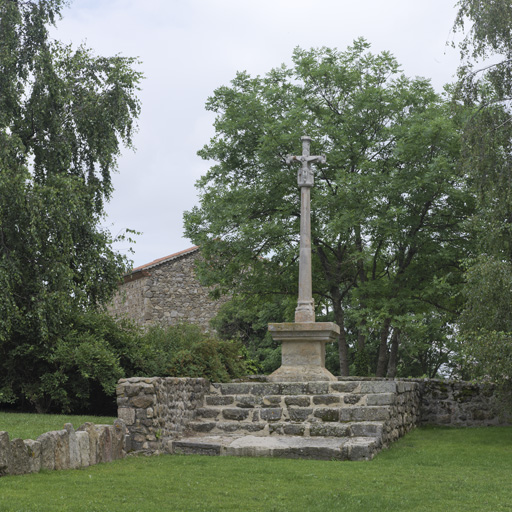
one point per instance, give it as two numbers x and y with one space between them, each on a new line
29 426
428 470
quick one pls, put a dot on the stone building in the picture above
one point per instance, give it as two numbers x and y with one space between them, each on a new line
166 291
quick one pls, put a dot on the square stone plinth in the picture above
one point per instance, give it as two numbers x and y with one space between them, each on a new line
303 350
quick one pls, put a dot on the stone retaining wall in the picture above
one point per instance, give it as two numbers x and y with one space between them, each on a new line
158 409
455 403
64 449
460 404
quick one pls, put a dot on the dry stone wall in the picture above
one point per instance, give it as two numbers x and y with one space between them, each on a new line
460 404
166 293
64 449
455 403
156 410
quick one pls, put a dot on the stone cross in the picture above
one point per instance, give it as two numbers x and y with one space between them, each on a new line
305 311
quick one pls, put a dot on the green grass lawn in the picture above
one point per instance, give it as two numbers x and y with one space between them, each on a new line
29 426
446 470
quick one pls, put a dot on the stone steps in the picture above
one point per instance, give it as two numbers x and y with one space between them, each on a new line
305 429
296 414
294 447
344 420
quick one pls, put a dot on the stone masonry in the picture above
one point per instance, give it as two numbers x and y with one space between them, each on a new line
166 291
64 449
351 419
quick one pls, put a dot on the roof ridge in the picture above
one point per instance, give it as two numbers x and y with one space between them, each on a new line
164 259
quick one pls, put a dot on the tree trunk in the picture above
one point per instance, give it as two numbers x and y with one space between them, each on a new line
383 349
339 317
393 354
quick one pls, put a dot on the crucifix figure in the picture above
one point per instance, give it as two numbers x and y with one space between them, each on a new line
305 311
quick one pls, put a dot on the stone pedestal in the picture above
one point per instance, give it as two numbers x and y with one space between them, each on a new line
303 351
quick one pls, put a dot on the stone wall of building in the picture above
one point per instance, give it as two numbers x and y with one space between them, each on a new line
64 449
166 292
129 302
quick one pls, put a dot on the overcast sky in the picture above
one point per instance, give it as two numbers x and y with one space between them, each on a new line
188 48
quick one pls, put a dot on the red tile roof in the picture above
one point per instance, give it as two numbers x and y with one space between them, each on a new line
159 261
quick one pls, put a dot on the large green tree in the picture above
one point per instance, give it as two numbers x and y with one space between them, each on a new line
485 86
64 114
388 205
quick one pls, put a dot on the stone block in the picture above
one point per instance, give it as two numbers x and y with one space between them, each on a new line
271 401
327 414
19 463
352 399
142 401
74 452
5 453
317 388
328 430
385 386
237 388
208 413
248 401
202 426
381 399
119 432
82 439
104 446
299 414
47 442
343 386
219 400
235 414
292 388
33 449
93 441
365 414
127 414
299 401
294 429
271 414
366 429
61 449
326 399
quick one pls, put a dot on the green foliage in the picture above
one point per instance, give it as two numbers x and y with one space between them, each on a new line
246 318
186 351
486 86
64 115
389 205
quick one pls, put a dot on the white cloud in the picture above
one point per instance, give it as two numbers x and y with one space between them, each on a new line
188 48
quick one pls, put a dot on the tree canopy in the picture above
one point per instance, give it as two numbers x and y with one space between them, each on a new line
388 206
485 86
64 115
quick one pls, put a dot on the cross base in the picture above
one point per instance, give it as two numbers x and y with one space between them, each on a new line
303 351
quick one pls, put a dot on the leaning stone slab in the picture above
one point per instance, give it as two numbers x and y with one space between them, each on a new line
19 464
74 452
82 439
93 441
62 459
33 449
104 449
119 432
47 442
5 453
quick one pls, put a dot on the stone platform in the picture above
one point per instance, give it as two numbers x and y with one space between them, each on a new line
343 420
